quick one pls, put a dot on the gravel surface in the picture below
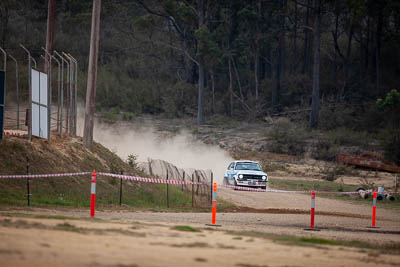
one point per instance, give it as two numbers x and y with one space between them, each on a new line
278 213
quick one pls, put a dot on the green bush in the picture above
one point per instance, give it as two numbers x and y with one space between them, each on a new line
345 136
332 172
127 116
390 143
287 137
325 150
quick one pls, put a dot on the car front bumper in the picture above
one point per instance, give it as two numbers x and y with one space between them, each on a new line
251 183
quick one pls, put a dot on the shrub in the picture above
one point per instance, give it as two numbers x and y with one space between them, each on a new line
390 143
287 137
344 136
132 160
127 116
332 117
325 150
332 172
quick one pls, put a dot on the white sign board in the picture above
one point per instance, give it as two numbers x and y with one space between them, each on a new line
39 104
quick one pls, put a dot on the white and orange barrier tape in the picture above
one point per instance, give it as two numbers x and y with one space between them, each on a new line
243 188
149 180
22 176
174 182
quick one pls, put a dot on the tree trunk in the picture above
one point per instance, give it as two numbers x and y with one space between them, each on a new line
335 55
282 38
378 49
294 61
230 88
306 38
347 60
200 103
213 89
316 66
256 67
276 89
4 15
92 75
50 33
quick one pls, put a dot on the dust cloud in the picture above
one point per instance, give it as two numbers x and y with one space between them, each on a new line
144 141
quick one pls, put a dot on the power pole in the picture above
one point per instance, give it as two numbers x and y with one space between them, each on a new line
50 33
92 75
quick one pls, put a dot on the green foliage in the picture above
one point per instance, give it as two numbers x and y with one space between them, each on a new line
302 185
390 142
179 100
185 228
132 160
333 172
288 137
147 53
325 150
127 116
390 102
340 115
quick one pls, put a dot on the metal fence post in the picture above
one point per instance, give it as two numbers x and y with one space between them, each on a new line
49 92
183 179
69 94
27 186
75 94
17 87
198 186
167 192
30 92
120 190
61 100
192 189
211 187
4 100
58 93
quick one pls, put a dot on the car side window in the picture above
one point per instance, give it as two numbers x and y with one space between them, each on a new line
231 166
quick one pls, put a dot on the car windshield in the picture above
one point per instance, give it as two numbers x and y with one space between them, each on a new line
252 166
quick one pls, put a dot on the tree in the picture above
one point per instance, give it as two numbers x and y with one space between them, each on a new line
316 65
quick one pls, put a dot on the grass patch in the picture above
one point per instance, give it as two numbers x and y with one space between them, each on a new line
392 248
192 245
270 167
302 185
185 228
67 227
224 205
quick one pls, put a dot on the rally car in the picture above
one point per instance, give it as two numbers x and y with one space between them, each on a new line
246 173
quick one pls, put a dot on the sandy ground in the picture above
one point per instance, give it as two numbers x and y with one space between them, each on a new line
122 242
125 237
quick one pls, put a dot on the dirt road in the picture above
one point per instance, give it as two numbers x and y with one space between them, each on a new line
123 242
267 234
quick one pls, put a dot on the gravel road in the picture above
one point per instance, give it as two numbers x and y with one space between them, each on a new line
278 213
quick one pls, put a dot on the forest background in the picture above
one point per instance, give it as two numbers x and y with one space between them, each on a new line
334 63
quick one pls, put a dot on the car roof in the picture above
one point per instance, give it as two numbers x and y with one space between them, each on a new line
245 161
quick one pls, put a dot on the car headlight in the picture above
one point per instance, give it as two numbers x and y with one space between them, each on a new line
240 176
264 177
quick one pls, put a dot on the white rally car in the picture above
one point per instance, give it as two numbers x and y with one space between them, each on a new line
246 173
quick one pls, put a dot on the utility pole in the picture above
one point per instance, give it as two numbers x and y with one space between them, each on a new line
92 75
50 34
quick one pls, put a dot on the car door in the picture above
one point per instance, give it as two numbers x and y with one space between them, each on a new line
231 172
